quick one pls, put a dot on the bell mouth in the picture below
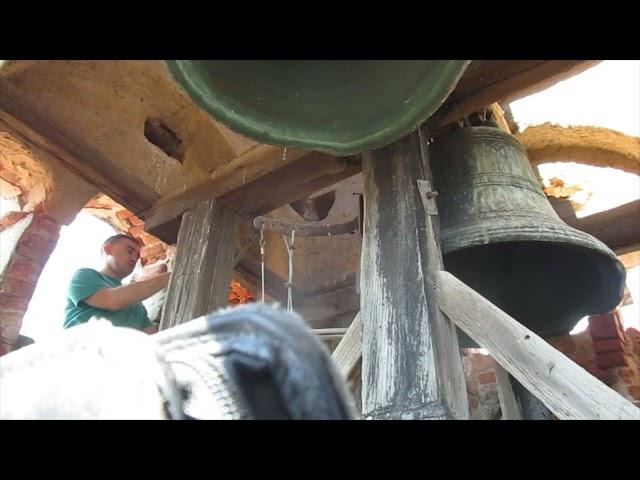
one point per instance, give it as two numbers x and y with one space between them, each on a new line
547 286
339 107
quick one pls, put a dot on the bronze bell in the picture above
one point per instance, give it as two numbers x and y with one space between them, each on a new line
340 107
501 236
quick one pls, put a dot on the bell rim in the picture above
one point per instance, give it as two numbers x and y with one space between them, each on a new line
451 72
538 230
533 228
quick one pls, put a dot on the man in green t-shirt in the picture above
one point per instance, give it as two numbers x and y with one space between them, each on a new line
101 293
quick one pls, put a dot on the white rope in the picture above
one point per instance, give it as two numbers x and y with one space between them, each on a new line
289 284
262 244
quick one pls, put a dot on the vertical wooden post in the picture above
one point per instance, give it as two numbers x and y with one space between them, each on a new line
530 406
204 263
411 366
508 403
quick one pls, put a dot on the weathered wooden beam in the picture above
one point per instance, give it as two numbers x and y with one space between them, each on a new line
330 333
630 260
529 406
348 353
281 189
260 193
306 229
239 171
489 81
348 358
411 366
200 280
20 116
618 228
565 388
347 280
508 403
328 305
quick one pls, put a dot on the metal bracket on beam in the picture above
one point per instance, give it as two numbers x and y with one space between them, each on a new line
428 197
306 229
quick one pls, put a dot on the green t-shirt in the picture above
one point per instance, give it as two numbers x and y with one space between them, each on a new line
86 282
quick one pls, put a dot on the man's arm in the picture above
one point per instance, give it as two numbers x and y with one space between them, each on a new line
118 298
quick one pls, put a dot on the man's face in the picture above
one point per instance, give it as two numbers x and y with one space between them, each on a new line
122 256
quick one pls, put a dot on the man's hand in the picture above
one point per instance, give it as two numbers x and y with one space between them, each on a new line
151 329
150 271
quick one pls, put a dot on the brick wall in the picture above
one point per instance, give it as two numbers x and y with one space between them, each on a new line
605 349
27 240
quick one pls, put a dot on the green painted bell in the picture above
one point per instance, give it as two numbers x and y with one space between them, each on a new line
340 107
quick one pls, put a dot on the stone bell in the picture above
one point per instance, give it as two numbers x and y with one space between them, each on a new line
501 236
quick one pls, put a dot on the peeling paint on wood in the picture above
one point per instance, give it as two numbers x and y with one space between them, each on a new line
411 366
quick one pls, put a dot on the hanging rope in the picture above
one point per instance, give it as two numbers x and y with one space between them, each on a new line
289 284
262 244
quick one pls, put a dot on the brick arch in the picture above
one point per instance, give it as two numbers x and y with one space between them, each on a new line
27 238
596 146
28 235
22 172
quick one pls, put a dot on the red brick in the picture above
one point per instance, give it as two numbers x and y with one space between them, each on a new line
486 378
10 320
625 372
482 363
47 226
602 375
27 271
123 214
610 345
17 287
35 251
12 217
634 390
136 231
11 302
605 318
135 221
633 336
33 240
151 251
39 208
147 239
153 259
605 331
606 326
583 359
602 318
28 253
611 359
12 178
565 344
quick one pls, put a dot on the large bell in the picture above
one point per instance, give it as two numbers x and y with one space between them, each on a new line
501 236
339 107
